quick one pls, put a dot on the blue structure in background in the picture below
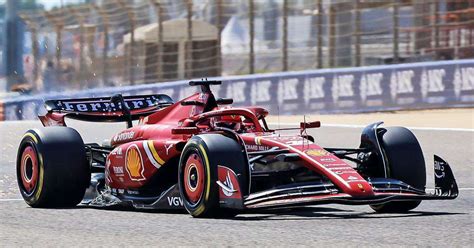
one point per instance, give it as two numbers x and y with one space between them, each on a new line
442 84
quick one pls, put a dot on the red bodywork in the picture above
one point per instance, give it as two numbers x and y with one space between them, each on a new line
140 151
131 165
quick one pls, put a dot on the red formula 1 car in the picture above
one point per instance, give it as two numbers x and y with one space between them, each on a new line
215 161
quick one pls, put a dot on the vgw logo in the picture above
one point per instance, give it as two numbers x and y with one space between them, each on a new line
175 201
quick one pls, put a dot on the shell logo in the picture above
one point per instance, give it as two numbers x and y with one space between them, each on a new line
317 152
134 163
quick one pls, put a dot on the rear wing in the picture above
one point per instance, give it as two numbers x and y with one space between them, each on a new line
102 109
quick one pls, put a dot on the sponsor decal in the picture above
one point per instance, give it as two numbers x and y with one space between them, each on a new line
258 140
313 88
228 183
124 136
105 105
118 170
439 169
236 91
370 85
463 80
117 151
108 179
152 154
134 163
352 178
317 152
175 201
432 81
299 142
168 147
401 83
342 86
341 166
229 191
287 90
328 160
257 147
132 192
346 171
260 91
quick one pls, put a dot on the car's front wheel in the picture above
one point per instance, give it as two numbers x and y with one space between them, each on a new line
198 173
405 162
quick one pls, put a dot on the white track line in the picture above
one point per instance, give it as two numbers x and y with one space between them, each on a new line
9 200
362 126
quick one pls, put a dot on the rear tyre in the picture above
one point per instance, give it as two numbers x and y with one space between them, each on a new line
52 170
198 173
405 161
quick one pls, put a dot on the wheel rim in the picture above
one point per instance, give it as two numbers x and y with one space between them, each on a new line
29 170
194 178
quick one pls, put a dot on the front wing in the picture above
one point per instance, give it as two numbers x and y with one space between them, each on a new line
385 190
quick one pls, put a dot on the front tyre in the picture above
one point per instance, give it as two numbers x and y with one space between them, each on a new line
198 173
52 170
405 162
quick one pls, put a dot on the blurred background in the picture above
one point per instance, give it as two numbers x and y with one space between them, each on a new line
53 45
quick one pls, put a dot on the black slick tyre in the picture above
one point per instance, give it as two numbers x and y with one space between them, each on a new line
52 170
198 173
405 162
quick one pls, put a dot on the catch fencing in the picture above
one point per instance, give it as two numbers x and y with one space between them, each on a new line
122 42
364 89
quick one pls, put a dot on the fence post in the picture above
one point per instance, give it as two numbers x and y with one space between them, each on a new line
285 36
332 36
131 19
189 42
357 33
436 23
219 38
395 26
320 33
159 47
251 37
105 50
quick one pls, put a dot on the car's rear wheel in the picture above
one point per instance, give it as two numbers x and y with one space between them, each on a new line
52 170
405 162
198 173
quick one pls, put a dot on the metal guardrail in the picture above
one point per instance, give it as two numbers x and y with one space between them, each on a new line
425 85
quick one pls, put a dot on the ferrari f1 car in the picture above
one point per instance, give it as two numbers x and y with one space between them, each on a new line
215 161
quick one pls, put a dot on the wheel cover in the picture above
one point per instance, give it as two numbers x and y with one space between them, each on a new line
29 170
194 178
